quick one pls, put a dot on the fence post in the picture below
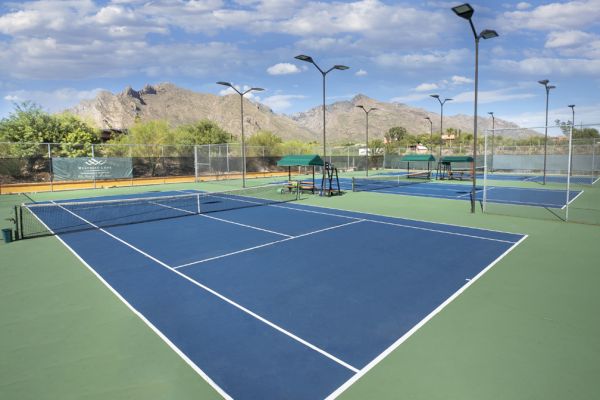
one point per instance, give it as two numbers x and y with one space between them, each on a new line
227 156
51 169
196 163
131 157
93 155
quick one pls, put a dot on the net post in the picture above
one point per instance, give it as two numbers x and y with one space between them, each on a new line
570 159
20 220
198 202
16 221
353 185
297 190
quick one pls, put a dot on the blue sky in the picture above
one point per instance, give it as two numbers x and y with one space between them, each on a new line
56 52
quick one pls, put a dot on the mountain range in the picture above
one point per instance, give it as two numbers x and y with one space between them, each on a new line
345 122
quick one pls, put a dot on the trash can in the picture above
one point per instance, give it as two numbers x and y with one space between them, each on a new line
7 235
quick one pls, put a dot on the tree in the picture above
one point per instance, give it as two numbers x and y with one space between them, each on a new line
202 132
583 133
269 141
396 133
29 125
75 135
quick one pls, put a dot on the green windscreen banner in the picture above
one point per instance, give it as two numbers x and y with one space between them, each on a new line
90 168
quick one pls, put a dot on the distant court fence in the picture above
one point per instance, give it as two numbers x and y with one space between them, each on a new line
55 166
566 177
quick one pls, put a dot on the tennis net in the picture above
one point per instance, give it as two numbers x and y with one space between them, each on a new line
379 182
51 218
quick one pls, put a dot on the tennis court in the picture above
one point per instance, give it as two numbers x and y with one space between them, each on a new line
539 197
501 176
266 298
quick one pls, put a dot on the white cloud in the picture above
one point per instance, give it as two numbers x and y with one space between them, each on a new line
425 87
281 102
417 60
523 6
361 72
552 16
409 98
568 39
53 101
583 115
283 69
461 80
491 96
546 66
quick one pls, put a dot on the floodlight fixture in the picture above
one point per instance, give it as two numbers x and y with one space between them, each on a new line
464 11
341 67
488 34
435 96
551 87
302 57
544 82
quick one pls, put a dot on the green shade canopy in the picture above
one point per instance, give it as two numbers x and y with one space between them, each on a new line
417 157
452 159
300 160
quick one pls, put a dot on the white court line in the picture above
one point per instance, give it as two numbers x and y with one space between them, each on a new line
573 199
415 328
469 193
410 226
266 244
219 295
377 215
141 316
223 220
438 231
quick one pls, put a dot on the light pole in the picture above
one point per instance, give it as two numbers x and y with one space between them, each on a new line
255 89
430 130
437 96
548 88
493 133
309 59
466 11
367 130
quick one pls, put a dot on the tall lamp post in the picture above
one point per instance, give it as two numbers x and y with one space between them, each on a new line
466 11
430 130
493 133
254 89
548 88
309 59
367 130
437 96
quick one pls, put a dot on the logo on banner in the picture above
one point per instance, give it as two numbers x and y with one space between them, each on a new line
94 162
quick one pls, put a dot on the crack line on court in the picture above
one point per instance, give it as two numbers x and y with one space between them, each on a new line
222 297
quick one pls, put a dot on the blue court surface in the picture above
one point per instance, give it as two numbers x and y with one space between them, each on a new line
279 301
551 198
